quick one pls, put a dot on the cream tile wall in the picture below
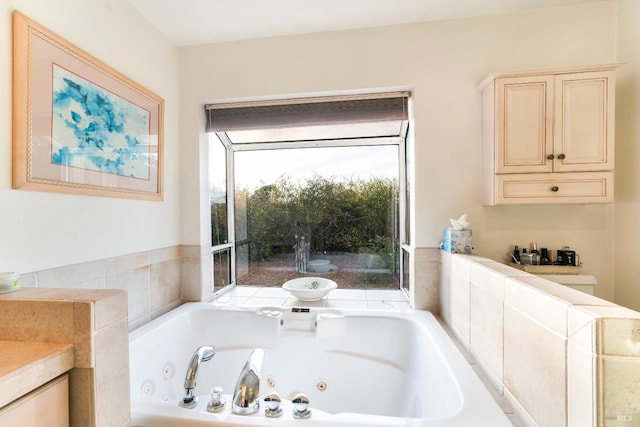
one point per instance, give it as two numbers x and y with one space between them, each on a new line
152 280
559 357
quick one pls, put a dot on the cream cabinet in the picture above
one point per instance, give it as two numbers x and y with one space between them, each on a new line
543 130
47 406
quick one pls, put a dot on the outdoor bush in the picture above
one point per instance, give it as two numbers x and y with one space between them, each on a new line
335 216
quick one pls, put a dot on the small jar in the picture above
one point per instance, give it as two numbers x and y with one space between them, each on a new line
529 258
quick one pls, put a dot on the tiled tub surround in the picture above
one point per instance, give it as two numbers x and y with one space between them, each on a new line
94 322
255 296
160 280
152 280
558 356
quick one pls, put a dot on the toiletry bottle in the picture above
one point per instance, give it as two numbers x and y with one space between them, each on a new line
516 253
545 259
534 251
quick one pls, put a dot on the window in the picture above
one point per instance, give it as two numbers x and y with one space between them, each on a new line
322 196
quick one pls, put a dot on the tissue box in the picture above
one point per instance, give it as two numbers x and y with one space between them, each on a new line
457 241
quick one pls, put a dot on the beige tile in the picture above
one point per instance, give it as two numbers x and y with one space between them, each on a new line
346 304
581 384
484 276
137 285
385 295
164 254
503 269
621 337
82 398
460 305
196 280
620 383
70 276
385 305
486 329
124 263
444 309
275 292
535 368
165 309
462 264
83 327
112 374
568 294
348 294
194 251
165 284
109 306
582 328
426 289
28 280
426 254
544 308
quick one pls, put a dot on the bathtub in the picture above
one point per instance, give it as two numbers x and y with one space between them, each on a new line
357 367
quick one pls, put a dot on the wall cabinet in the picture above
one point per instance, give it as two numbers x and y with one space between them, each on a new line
47 406
548 137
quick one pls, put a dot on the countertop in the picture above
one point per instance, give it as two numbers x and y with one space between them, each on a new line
26 365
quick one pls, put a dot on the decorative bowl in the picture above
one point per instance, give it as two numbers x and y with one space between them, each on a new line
309 288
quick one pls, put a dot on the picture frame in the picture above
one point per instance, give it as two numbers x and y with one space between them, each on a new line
79 126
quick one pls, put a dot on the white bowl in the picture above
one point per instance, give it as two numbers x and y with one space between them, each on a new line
309 288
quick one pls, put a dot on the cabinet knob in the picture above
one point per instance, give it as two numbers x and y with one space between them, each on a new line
561 156
554 188
549 156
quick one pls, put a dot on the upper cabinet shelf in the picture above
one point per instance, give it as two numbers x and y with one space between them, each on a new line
545 132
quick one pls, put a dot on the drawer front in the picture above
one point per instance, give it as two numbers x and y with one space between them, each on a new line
555 188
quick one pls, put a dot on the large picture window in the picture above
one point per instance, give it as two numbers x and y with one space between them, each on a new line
324 200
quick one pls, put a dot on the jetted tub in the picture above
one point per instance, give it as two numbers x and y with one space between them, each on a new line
357 367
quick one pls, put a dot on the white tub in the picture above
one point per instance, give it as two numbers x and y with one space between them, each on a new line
358 367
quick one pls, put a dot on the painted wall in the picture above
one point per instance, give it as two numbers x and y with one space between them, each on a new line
443 62
627 192
44 230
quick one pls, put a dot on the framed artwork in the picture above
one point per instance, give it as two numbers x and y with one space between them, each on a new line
79 126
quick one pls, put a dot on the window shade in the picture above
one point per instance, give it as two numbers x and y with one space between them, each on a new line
307 112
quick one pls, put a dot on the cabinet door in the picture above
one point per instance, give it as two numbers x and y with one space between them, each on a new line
579 187
524 121
584 132
47 406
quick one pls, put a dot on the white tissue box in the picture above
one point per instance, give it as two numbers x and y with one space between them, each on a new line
457 241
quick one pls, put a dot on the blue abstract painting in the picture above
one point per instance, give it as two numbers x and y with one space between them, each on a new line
96 130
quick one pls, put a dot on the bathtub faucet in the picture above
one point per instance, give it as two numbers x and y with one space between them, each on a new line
202 354
246 399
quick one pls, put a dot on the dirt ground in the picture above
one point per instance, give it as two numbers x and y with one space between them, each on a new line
351 273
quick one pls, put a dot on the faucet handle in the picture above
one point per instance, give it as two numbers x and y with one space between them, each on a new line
301 406
272 402
217 403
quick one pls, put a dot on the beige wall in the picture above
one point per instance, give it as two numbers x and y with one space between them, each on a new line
443 62
40 231
627 192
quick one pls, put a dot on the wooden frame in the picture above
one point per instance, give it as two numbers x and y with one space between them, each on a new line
79 126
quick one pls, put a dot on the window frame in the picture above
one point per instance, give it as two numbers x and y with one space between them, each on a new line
399 140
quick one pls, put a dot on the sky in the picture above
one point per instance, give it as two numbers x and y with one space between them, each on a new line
256 168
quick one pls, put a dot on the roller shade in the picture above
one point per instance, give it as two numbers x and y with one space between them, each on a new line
382 107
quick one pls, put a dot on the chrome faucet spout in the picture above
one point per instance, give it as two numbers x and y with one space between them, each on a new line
202 354
246 397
